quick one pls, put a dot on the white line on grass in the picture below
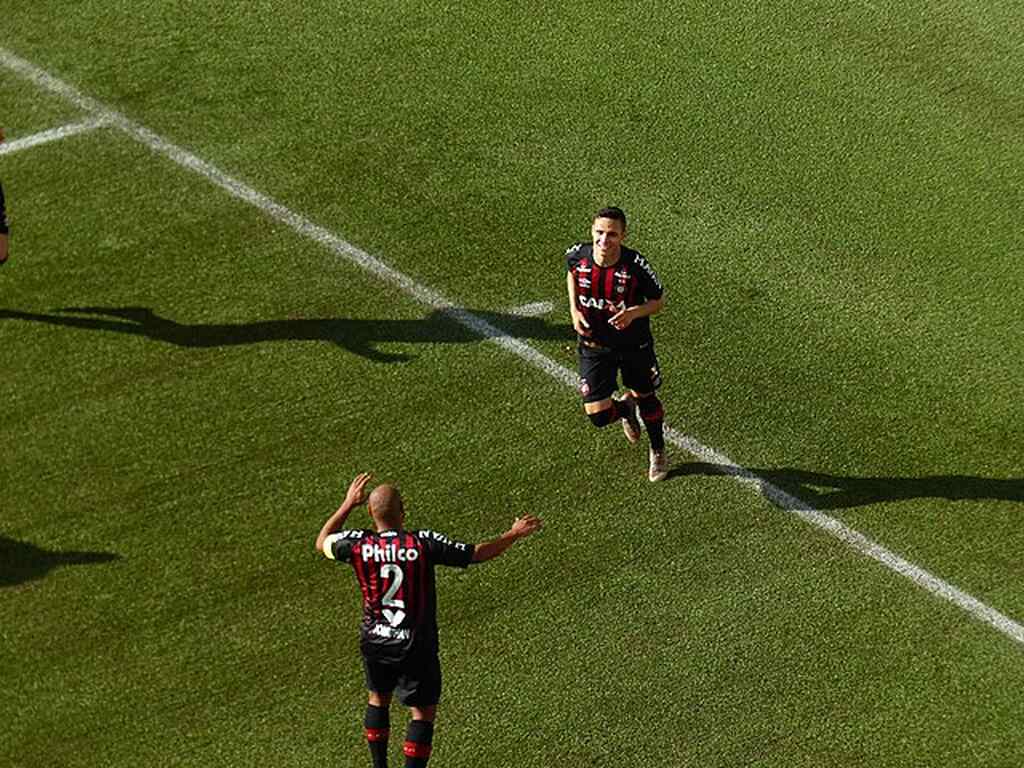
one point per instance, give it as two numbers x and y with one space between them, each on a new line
53 134
431 298
536 309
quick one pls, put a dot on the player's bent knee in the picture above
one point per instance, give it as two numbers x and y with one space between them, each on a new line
650 407
427 714
601 418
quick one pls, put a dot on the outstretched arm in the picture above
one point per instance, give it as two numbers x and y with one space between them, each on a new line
356 495
521 528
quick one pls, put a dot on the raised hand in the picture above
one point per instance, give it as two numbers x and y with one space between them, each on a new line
356 494
525 525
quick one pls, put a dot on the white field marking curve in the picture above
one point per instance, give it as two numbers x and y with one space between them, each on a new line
431 298
53 134
534 309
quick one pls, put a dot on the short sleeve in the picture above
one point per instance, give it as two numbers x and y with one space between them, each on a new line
444 551
650 285
338 546
573 256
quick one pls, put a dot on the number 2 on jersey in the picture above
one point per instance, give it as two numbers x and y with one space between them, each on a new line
389 601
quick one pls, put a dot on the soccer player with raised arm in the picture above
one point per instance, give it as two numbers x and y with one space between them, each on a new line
613 291
398 635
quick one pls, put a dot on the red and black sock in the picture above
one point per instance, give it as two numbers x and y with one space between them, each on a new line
654 420
607 416
419 740
378 729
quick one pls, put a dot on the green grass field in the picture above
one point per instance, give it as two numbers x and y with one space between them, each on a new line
832 194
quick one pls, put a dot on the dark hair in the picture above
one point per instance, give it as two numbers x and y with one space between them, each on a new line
611 212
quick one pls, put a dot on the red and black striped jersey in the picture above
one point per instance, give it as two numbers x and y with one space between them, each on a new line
601 292
395 570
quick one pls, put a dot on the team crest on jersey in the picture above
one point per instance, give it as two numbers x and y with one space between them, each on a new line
584 282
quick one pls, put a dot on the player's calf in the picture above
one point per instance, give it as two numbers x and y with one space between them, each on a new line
604 417
378 729
419 740
653 414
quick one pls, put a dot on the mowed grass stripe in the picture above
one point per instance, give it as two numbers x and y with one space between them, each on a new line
490 332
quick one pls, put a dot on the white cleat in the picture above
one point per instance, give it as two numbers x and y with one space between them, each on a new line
659 466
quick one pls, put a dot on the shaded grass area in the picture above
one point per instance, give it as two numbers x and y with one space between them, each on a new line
833 206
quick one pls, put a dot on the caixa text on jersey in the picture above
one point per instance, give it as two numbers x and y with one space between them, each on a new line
611 306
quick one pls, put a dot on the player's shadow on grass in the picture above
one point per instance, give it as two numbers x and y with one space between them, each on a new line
823 491
358 336
21 562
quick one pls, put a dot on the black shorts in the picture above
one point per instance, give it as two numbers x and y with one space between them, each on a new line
599 368
416 678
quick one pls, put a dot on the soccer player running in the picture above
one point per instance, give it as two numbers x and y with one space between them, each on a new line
398 637
613 292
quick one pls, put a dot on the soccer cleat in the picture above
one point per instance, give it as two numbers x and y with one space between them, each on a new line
630 423
659 466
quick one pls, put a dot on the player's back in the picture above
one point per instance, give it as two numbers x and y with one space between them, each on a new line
397 582
395 570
